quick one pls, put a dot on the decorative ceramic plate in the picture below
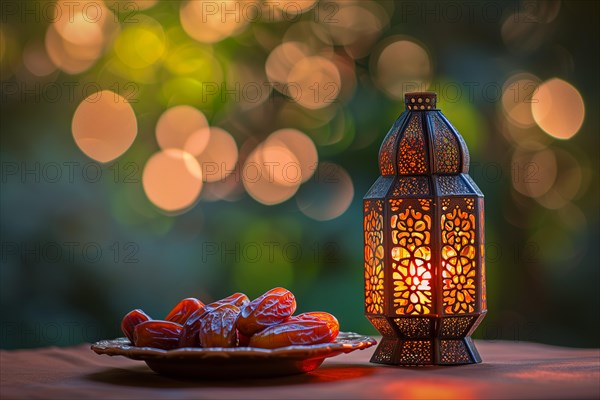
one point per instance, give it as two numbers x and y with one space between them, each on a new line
235 362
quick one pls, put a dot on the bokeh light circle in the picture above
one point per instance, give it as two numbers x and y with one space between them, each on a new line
534 172
517 95
36 59
218 156
141 45
301 145
104 126
558 108
271 174
402 66
328 195
213 21
172 180
357 27
282 60
314 82
68 57
177 124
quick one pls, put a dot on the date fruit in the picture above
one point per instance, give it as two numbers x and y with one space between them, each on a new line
293 333
217 327
160 334
189 333
182 311
319 316
191 328
131 320
237 299
273 307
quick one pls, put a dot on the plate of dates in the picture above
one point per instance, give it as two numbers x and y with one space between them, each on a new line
233 338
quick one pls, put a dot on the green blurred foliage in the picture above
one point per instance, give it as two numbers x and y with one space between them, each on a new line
542 264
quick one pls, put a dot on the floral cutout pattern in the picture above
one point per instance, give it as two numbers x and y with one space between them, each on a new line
411 258
458 261
374 274
412 154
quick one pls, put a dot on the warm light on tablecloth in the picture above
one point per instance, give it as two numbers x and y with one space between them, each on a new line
509 370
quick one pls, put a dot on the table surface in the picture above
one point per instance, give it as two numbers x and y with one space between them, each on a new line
509 370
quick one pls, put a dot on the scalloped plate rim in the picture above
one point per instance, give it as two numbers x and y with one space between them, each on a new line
345 343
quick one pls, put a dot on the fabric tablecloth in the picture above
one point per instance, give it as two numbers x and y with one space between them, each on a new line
509 370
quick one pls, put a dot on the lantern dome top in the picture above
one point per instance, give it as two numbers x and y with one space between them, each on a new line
422 141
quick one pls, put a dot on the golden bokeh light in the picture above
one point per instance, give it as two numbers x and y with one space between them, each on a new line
142 44
78 34
328 195
401 66
294 7
104 126
129 7
36 59
558 108
312 35
194 60
8 51
569 182
69 57
279 165
177 124
83 23
534 172
301 146
172 180
282 60
517 96
271 174
357 26
217 157
213 21
314 82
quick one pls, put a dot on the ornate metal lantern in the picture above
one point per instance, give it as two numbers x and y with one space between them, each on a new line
424 243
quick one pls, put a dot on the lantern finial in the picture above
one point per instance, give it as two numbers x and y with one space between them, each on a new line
420 101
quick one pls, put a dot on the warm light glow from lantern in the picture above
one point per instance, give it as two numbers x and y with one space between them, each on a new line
104 126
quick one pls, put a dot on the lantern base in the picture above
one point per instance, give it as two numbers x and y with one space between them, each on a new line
426 340
395 351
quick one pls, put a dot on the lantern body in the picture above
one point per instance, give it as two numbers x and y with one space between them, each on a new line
424 243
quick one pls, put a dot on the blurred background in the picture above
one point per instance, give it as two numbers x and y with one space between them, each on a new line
146 150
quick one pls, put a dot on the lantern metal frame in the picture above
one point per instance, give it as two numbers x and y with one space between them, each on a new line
424 241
